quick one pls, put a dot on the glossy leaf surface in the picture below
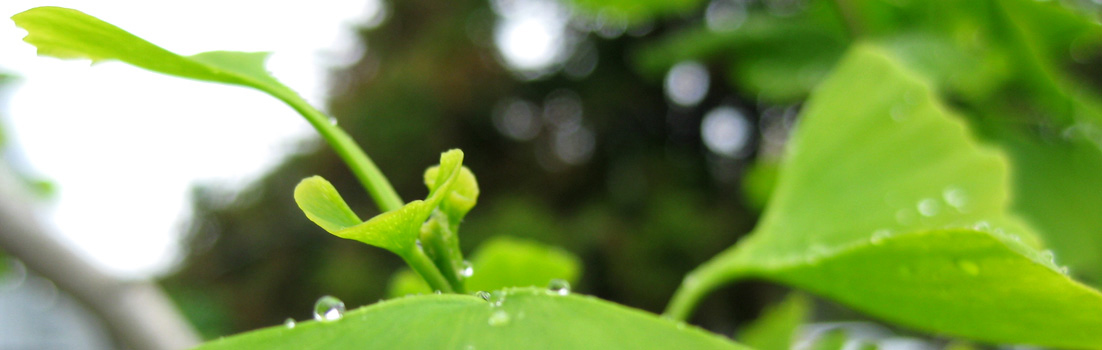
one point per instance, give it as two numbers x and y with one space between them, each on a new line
526 318
887 203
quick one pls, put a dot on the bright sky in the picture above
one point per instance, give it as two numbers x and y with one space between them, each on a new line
125 145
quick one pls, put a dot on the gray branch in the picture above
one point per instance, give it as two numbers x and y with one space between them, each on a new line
137 312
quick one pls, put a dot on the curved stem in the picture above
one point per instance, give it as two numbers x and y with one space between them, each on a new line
438 239
419 262
361 165
697 284
686 297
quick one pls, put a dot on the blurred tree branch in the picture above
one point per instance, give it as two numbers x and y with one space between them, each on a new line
138 313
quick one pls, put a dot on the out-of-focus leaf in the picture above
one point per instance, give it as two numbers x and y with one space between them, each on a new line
758 182
526 318
887 204
503 262
776 58
634 11
776 328
511 262
1058 189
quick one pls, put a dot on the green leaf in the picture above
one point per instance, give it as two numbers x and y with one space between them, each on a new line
67 33
323 205
512 262
774 59
526 318
634 11
776 328
503 262
1058 189
395 230
886 203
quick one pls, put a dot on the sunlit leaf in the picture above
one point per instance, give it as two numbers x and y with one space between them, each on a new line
525 318
885 202
68 33
395 230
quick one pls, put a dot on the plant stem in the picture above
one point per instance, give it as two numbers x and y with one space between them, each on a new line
697 284
418 261
361 165
442 243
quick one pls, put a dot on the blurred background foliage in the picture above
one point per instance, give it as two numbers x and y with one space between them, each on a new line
647 143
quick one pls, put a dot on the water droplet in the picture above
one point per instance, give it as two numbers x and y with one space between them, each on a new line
289 323
955 197
483 294
879 236
467 270
904 216
969 267
499 318
437 292
496 299
333 120
328 308
929 207
982 226
560 287
1048 256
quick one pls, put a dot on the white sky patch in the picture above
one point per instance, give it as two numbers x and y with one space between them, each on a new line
125 145
531 34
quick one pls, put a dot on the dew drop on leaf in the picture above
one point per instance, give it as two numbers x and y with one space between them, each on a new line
499 318
929 207
560 287
879 236
483 294
467 270
955 197
289 323
497 298
328 308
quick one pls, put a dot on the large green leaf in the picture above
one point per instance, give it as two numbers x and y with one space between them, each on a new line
512 319
503 262
886 202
